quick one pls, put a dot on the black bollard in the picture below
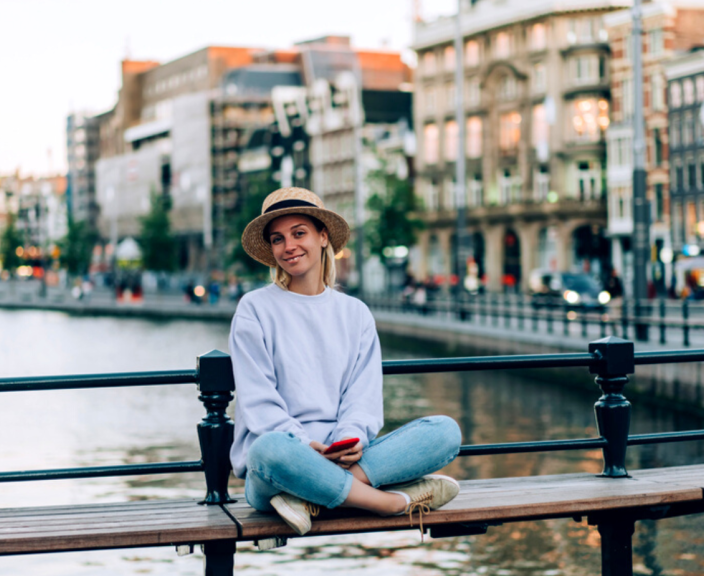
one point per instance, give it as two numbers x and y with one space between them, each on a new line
216 384
612 410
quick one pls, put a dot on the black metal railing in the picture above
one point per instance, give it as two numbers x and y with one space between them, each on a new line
611 359
648 320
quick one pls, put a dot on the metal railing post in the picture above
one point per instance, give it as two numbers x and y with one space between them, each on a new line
662 321
219 557
520 309
616 545
612 410
216 385
685 322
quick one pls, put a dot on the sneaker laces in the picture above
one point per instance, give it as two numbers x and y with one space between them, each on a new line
312 509
420 504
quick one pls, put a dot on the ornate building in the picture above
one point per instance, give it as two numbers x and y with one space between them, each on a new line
536 99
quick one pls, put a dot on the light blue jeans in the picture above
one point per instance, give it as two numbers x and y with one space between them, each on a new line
279 462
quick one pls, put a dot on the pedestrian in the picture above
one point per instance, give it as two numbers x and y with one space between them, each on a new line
307 363
614 286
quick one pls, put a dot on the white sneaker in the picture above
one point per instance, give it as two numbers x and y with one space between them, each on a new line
425 494
295 512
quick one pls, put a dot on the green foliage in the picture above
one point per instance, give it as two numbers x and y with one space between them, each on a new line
392 204
256 189
10 240
77 247
156 240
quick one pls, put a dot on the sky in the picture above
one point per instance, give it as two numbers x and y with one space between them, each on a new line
59 56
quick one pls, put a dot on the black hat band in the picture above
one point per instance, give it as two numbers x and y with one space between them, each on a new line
289 204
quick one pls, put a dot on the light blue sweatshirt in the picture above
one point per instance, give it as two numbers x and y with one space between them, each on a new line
308 365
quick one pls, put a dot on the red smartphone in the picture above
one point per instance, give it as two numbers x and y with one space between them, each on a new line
341 445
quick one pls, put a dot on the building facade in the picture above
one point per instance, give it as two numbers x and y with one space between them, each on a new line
685 78
668 29
82 149
536 97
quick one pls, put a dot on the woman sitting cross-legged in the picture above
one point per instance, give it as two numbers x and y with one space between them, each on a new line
307 366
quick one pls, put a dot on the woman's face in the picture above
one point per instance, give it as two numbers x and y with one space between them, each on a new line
297 245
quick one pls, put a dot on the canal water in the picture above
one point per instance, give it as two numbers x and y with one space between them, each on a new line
157 424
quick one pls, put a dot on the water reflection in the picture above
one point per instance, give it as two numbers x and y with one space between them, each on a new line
158 424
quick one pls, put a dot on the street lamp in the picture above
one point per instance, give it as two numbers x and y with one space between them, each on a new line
640 236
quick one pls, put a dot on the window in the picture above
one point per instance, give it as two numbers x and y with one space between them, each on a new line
473 97
474 137
677 219
590 118
659 203
472 54
449 57
675 132
675 95
678 176
690 222
538 79
687 129
509 131
700 88
450 96
657 87
582 30
657 147
537 37
509 188
451 140
448 194
541 184
429 63
585 69
627 98
507 88
588 181
476 191
431 100
503 45
628 47
539 134
431 195
655 42
691 175
688 91
430 143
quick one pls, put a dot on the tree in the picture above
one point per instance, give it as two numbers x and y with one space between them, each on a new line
258 187
77 247
10 241
156 240
392 204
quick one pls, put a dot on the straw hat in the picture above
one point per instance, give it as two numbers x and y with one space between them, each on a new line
291 201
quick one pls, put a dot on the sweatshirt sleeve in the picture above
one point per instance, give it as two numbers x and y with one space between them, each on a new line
259 403
361 412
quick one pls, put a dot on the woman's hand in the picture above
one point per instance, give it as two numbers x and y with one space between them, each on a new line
343 458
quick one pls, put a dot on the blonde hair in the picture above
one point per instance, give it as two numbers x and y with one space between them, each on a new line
282 279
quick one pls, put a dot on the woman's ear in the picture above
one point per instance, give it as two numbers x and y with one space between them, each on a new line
324 237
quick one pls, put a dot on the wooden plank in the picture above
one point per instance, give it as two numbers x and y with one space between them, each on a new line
96 527
499 500
150 523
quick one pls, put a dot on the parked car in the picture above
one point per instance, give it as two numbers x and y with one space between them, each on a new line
570 290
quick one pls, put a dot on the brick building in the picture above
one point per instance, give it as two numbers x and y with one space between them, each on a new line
669 28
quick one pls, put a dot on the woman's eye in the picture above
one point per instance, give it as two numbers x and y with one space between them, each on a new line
276 240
